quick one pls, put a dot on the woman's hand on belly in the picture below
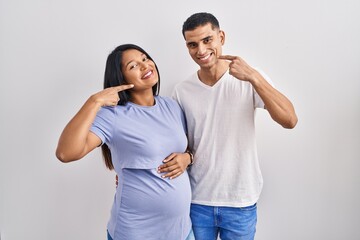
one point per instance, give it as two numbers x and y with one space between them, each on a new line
174 165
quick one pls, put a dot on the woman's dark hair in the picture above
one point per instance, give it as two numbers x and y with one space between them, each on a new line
114 77
200 19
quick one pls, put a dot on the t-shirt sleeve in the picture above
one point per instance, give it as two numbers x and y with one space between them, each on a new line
174 94
101 126
182 116
179 112
258 102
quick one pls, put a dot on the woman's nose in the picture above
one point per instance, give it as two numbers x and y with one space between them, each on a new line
143 66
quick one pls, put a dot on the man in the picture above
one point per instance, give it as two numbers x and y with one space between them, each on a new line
219 102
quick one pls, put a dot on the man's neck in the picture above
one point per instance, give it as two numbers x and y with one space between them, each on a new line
210 76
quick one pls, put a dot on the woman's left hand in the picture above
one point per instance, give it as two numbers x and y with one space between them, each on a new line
174 165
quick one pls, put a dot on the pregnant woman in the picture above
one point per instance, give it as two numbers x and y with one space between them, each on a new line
137 130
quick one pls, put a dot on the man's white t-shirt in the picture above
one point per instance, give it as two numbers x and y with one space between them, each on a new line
221 132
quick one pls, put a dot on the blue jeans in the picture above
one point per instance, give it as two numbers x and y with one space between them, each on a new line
230 223
190 237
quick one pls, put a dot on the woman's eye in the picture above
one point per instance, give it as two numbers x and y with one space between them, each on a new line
145 59
133 66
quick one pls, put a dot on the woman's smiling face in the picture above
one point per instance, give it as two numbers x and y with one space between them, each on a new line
139 70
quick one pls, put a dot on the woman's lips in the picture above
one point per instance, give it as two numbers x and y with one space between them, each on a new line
147 75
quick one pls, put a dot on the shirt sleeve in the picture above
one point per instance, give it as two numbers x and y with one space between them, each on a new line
182 117
174 94
179 113
258 102
102 125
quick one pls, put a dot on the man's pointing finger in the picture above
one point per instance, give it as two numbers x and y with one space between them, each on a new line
227 57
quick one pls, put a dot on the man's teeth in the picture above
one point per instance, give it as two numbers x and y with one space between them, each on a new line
206 57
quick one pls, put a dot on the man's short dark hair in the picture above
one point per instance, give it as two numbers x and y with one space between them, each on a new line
200 19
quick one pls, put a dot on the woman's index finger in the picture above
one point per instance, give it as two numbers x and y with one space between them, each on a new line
123 87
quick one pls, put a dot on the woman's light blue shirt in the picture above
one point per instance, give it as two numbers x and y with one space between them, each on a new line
146 206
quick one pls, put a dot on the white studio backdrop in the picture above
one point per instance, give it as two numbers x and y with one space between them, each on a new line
52 58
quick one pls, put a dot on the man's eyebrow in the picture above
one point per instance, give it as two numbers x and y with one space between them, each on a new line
205 38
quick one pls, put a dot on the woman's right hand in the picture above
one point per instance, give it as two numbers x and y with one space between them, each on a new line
76 139
109 96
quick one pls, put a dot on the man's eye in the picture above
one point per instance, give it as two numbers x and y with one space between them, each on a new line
145 59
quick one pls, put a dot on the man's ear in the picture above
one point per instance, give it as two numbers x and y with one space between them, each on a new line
222 37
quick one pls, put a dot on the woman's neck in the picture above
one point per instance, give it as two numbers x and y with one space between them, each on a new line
143 99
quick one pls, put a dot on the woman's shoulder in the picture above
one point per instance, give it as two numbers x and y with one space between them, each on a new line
107 110
164 98
110 111
168 101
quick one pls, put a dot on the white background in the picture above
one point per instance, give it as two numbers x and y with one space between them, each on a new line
52 58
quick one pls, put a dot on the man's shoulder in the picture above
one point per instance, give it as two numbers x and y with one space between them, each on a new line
187 81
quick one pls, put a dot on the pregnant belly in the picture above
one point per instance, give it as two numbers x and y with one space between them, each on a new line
146 195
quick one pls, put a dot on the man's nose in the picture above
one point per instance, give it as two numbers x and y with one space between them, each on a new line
201 49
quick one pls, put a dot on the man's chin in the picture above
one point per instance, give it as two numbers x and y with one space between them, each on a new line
206 64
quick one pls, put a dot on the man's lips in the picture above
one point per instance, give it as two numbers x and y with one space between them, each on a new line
204 58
